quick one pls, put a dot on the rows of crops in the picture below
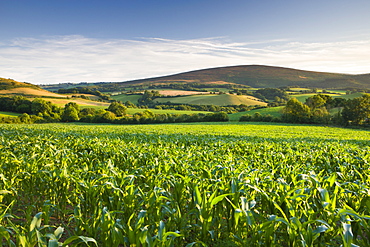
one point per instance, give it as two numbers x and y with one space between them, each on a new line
184 185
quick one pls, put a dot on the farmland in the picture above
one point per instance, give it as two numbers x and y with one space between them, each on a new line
184 185
211 99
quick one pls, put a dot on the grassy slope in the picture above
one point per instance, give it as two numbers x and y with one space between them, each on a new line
78 101
273 111
303 97
125 97
351 96
9 114
213 99
30 92
6 84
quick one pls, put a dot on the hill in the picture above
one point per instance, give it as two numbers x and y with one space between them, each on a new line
255 76
12 87
214 99
258 76
7 84
265 76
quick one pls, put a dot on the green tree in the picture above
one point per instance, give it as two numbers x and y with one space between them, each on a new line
87 111
70 113
315 102
357 110
117 108
129 104
40 106
25 118
296 112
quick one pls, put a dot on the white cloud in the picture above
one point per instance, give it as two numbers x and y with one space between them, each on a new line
77 58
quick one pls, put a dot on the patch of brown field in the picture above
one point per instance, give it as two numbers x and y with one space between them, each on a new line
62 102
91 96
179 92
31 91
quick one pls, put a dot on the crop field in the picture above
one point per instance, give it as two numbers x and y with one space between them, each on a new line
81 102
30 92
184 185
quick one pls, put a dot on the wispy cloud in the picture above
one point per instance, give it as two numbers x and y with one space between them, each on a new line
77 58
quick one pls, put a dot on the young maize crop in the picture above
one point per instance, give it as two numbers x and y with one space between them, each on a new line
184 185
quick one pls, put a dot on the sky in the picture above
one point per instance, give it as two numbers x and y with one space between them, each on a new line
57 41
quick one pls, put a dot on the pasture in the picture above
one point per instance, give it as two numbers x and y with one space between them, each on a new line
214 99
9 114
273 111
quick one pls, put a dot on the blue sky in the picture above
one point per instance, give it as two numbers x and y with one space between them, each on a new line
52 41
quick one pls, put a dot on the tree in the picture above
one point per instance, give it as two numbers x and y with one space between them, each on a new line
87 111
25 118
271 93
129 104
315 102
70 113
357 110
117 108
40 106
296 112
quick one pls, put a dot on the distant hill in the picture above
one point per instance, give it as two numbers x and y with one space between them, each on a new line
265 76
258 76
7 84
12 87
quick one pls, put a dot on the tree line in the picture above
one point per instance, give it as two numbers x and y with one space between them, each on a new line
42 111
316 109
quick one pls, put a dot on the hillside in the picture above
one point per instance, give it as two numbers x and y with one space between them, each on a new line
30 92
257 76
9 87
214 99
265 76
7 84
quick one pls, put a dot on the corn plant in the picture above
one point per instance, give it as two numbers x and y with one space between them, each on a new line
184 185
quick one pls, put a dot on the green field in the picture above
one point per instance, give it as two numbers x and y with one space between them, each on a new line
213 99
303 97
124 97
273 111
184 185
351 96
9 114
